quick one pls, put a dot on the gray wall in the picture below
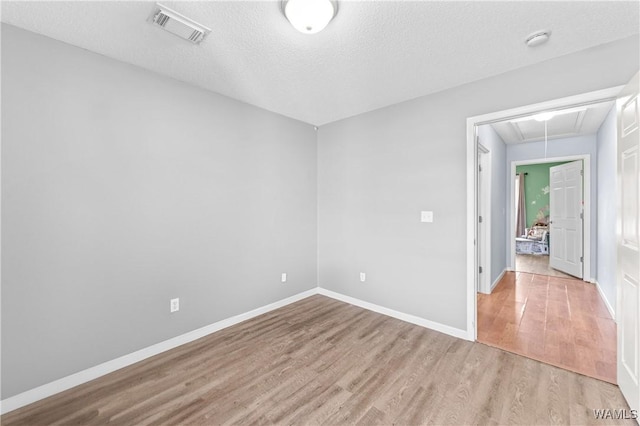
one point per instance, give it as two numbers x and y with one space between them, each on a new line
122 189
562 148
607 200
498 151
376 171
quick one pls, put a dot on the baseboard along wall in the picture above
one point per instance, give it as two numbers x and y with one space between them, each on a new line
84 376
497 280
612 311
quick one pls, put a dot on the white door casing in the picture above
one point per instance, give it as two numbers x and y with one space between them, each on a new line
472 176
484 224
481 236
628 245
565 218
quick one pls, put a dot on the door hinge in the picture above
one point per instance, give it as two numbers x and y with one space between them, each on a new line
480 269
479 219
581 259
479 168
581 215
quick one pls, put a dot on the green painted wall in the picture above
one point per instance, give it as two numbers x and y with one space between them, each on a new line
536 191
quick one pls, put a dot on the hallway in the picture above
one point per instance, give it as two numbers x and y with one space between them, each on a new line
559 321
536 264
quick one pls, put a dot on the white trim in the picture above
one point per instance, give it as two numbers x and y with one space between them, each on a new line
495 283
472 122
451 331
586 233
570 101
612 312
472 258
485 205
84 376
91 373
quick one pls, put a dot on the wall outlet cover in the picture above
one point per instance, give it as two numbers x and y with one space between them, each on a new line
175 305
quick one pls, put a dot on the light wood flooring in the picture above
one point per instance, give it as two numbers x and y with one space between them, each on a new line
560 321
537 264
321 361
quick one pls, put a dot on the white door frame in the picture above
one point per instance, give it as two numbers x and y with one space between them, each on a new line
472 176
586 224
484 282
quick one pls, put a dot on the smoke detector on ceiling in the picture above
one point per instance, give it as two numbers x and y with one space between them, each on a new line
537 38
178 24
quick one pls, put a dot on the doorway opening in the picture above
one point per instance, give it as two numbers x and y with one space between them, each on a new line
540 314
552 217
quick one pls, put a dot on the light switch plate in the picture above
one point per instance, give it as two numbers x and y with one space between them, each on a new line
426 216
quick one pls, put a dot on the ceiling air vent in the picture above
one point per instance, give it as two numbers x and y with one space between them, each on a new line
179 25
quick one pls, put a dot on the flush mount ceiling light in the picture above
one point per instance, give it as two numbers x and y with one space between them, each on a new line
537 38
178 24
545 116
309 16
548 115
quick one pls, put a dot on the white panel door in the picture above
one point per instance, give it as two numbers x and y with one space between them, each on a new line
565 218
628 263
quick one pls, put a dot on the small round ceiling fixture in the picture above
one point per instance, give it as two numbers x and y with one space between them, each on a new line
309 16
537 38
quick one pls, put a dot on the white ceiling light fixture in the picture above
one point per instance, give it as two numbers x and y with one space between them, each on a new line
178 24
537 38
545 116
548 115
309 16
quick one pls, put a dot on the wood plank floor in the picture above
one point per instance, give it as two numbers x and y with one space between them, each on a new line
537 264
560 321
321 361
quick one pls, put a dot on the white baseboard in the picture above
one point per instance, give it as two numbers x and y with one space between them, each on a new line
68 382
612 312
452 331
495 283
84 376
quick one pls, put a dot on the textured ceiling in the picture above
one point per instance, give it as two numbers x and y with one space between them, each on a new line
578 121
373 54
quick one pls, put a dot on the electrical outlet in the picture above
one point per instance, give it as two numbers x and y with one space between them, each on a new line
363 277
283 278
175 305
